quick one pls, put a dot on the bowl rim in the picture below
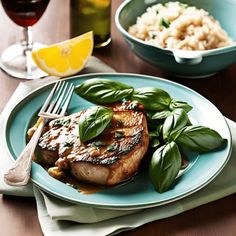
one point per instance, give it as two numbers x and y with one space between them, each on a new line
179 52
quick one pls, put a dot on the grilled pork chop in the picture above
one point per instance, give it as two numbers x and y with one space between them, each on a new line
110 158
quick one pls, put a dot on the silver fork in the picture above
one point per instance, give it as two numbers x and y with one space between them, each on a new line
54 107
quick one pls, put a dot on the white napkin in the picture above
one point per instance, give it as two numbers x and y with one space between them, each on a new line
58 217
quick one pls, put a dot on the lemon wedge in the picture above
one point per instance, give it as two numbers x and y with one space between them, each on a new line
65 58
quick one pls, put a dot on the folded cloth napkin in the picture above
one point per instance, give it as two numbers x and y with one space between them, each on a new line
58 217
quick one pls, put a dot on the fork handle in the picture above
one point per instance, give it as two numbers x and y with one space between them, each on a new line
19 173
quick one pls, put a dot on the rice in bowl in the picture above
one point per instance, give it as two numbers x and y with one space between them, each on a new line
175 25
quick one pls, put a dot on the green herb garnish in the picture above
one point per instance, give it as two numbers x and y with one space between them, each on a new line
112 147
61 122
199 138
164 167
169 126
98 144
119 134
165 22
103 91
93 122
67 144
153 99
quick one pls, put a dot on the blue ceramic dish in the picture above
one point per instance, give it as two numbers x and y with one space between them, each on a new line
139 193
183 63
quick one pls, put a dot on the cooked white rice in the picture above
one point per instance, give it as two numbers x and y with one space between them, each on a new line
179 26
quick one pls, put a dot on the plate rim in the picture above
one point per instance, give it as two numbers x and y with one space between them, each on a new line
118 206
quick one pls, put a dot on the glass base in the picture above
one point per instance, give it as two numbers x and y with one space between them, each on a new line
19 64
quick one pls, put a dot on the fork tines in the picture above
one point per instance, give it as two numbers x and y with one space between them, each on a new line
58 100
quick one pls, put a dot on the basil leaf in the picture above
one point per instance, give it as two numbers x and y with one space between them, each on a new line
179 104
149 115
154 134
199 139
154 142
164 166
93 122
154 138
161 115
176 121
103 91
153 99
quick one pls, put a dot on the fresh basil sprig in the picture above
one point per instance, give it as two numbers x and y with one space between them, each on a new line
93 122
174 104
164 166
153 99
160 115
154 138
170 129
173 123
103 91
199 139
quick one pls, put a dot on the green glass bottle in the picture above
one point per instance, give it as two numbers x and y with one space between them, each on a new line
87 15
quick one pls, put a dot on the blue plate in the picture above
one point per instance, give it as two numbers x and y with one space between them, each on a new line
138 193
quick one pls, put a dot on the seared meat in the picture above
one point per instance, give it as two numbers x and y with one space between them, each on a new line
58 140
110 158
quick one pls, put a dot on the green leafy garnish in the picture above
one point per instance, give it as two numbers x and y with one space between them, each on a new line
161 115
112 147
153 99
98 143
173 123
179 104
103 91
165 22
154 138
169 126
93 122
164 166
119 134
199 139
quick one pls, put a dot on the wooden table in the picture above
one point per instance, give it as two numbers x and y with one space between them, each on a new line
18 216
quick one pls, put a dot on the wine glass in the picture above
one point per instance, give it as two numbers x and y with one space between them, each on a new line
16 60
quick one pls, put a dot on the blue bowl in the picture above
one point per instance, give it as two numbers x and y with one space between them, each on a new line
192 64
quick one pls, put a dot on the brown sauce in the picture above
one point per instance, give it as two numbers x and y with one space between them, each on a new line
83 188
185 161
86 188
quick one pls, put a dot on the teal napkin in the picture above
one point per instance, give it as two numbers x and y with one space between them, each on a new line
58 217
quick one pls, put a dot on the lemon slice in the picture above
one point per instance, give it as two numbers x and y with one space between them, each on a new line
65 58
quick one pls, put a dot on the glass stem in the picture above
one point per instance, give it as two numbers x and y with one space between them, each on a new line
28 38
28 43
